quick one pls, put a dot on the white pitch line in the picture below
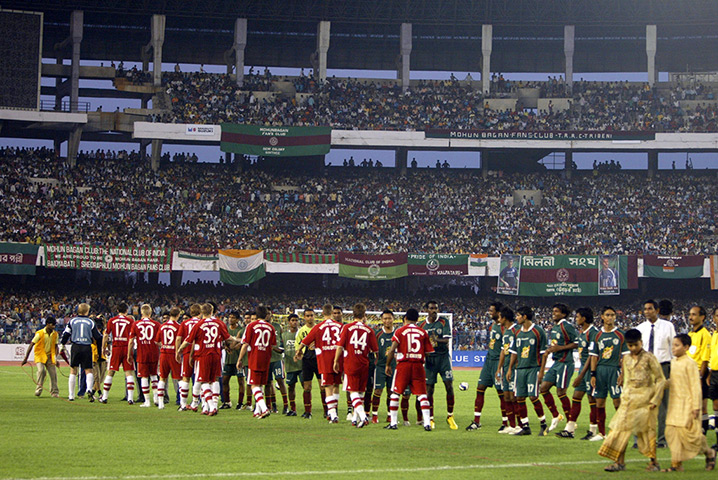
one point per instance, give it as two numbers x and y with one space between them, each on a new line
333 472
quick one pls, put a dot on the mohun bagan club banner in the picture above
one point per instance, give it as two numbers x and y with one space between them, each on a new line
538 135
437 264
372 267
115 259
275 141
565 275
658 266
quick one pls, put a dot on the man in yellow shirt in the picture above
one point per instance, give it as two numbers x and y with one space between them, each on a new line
713 366
44 344
700 352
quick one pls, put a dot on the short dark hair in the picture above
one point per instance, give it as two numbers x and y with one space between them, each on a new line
337 307
633 335
412 314
605 308
563 308
430 302
526 312
497 305
701 310
684 338
248 312
665 307
122 308
652 302
507 313
50 321
293 315
262 312
386 310
586 313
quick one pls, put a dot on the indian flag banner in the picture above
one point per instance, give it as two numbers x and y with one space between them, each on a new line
478 264
659 266
241 267
275 141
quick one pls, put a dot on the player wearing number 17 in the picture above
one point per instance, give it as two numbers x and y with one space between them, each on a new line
356 341
411 345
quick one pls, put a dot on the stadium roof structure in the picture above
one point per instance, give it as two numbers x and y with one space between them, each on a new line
527 34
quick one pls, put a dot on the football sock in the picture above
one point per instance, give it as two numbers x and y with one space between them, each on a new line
510 416
478 405
418 410
350 405
358 404
249 395
394 408
523 413
592 416
539 410
704 423
307 402
575 410
130 385
215 395
332 403
431 405
550 404
570 426
71 386
196 391
184 393
504 414
324 400
106 387
449 404
368 396
153 379
259 398
405 408
206 396
593 428
293 405
161 393
565 404
90 382
285 400
601 420
375 401
145 384
425 409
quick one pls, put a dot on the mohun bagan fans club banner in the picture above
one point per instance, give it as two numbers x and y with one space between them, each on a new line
275 141
18 258
372 267
566 275
111 259
437 264
537 135
658 266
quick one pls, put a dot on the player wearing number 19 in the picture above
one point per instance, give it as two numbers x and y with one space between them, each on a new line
165 338
356 341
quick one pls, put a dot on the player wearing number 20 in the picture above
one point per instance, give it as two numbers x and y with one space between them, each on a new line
356 341
258 343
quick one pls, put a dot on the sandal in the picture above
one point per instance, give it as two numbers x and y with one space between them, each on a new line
653 467
615 467
672 469
711 461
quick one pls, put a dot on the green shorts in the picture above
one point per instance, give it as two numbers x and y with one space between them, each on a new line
526 384
381 380
507 386
438 365
560 374
585 384
276 370
230 370
293 377
606 382
488 373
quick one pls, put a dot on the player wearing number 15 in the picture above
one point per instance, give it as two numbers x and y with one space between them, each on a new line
411 345
165 338
148 355
356 341
258 343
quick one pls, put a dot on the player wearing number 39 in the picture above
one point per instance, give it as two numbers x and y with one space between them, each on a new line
356 341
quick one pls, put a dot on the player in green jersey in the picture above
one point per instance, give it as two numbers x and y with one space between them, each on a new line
606 362
293 368
582 383
562 342
506 319
526 358
438 363
488 372
276 371
229 369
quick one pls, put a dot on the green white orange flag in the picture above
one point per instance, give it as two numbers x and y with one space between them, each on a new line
241 267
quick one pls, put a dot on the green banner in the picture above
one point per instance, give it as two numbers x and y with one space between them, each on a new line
438 264
660 266
373 267
275 141
18 258
110 259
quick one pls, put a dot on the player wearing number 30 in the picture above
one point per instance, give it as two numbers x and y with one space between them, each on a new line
143 333
356 341
411 345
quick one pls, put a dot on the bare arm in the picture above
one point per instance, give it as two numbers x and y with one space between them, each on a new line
337 356
512 362
27 353
242 353
390 357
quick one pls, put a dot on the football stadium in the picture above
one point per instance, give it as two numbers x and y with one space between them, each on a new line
285 239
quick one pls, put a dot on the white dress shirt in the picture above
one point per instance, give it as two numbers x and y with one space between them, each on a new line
663 334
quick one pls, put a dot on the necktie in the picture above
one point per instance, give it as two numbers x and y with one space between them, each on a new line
650 339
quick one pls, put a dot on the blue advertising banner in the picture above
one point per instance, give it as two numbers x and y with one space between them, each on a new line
468 358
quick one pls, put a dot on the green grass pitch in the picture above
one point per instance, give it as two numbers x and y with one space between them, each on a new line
55 439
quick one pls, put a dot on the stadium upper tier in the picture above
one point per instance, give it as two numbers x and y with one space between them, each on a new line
123 202
456 104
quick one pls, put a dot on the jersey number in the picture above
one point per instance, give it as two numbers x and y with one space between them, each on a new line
168 337
330 336
262 339
120 328
210 334
146 333
414 342
358 341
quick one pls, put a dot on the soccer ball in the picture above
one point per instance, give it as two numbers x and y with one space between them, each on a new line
463 386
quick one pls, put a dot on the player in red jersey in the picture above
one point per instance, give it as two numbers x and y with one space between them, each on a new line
356 341
411 345
165 338
187 368
258 341
118 328
325 336
208 337
143 333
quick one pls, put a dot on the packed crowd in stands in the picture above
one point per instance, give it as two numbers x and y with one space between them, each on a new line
451 104
115 199
24 310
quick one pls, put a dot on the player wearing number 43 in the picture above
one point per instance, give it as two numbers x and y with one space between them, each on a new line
356 342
